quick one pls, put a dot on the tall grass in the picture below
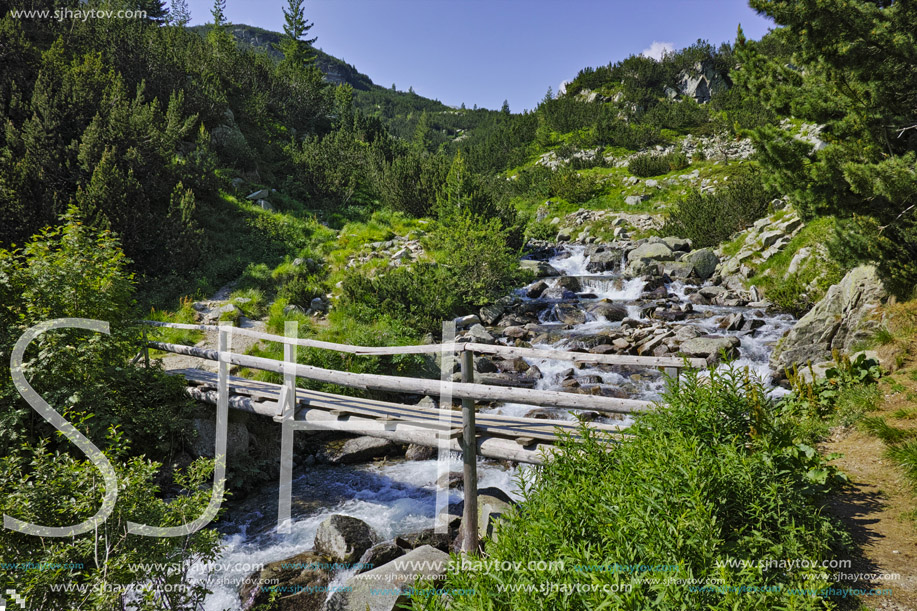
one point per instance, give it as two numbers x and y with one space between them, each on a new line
718 473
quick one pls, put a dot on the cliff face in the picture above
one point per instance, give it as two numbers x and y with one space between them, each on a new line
336 71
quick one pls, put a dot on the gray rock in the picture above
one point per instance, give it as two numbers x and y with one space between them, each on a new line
466 321
564 235
608 310
604 261
710 346
704 262
362 449
535 290
204 444
633 200
654 252
569 314
418 452
377 555
289 309
558 292
382 589
540 268
843 317
491 313
344 538
677 244
480 334
570 283
304 575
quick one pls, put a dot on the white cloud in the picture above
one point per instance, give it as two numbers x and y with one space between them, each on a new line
658 49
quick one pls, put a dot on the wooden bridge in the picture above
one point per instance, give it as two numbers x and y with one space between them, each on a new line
526 440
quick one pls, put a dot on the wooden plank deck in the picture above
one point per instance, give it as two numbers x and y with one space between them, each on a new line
490 425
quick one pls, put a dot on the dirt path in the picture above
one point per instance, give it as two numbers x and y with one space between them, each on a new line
879 511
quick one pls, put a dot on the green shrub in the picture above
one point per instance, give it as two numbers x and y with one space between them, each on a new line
717 474
572 186
647 165
710 218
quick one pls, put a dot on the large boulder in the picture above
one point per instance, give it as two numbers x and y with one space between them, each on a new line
344 538
539 268
704 262
658 251
608 310
302 581
362 449
710 347
604 261
384 588
844 317
569 314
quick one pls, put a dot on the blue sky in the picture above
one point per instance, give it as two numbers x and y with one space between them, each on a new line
484 51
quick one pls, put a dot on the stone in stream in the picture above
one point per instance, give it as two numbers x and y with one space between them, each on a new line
558 293
515 332
481 335
429 536
482 364
704 262
655 251
534 290
608 310
383 588
491 313
419 452
571 283
677 244
301 575
453 479
569 314
362 449
379 554
604 261
344 538
710 346
466 321
539 268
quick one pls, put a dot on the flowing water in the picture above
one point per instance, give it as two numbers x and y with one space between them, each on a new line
399 497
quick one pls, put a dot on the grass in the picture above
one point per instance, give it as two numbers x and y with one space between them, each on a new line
877 426
717 473
185 314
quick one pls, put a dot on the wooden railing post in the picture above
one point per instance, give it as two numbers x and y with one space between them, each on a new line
470 459
146 350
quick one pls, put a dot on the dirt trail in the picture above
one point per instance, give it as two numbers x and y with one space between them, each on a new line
879 511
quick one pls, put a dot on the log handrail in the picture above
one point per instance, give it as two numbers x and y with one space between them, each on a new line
670 362
419 386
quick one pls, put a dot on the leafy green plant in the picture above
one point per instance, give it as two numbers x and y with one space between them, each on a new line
718 473
710 218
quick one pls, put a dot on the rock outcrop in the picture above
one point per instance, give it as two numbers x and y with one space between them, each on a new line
844 317
344 538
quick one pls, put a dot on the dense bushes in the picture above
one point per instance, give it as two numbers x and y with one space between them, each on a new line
73 271
717 474
649 164
474 266
709 218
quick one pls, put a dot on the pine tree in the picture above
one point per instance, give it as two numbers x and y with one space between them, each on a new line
179 13
294 45
219 14
505 108
854 71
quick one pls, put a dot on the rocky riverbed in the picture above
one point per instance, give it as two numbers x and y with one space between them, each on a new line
650 297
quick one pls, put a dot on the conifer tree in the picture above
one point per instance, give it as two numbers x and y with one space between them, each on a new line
179 13
294 45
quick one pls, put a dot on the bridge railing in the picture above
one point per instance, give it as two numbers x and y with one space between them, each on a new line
466 390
